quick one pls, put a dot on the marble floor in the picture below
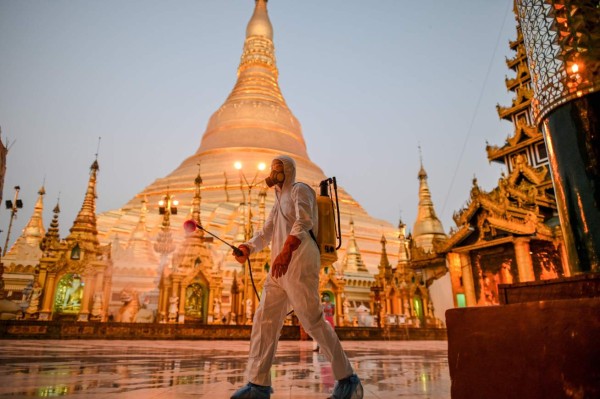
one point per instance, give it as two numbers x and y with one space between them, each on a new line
96 369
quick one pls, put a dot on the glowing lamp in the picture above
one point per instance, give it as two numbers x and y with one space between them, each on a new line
574 68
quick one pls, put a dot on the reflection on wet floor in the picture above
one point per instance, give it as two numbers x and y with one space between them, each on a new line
212 369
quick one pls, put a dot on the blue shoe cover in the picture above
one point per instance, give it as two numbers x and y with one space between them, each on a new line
348 388
253 391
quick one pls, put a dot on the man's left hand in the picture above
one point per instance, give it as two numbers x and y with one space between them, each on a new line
282 261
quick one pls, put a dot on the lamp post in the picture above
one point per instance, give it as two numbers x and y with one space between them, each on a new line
167 206
164 246
14 206
248 229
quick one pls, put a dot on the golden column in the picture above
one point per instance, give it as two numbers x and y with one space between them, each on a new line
84 312
181 317
176 280
48 296
524 263
468 282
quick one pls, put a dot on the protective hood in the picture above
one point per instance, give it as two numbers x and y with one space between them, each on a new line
289 169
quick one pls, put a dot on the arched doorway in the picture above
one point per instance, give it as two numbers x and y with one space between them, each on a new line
196 296
419 312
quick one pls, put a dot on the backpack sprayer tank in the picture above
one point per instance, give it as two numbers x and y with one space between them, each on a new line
328 237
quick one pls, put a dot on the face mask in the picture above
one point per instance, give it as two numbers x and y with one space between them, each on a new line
274 178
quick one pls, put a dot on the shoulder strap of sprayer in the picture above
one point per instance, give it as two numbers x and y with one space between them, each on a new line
312 234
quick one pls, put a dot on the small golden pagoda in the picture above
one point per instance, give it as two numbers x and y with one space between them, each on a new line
401 295
75 273
357 278
190 286
135 272
511 233
21 262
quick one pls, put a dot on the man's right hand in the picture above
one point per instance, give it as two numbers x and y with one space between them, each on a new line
246 252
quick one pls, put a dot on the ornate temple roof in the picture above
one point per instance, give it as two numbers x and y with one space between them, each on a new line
525 134
52 238
385 268
84 227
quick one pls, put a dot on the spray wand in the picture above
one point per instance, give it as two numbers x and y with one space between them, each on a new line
190 226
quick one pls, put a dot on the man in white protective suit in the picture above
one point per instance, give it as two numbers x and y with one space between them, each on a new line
293 282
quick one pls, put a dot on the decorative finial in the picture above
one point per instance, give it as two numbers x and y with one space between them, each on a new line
198 179
98 147
259 24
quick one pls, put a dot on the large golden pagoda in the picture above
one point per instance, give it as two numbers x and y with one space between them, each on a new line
253 125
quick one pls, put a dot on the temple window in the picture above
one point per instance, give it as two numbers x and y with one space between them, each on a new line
541 153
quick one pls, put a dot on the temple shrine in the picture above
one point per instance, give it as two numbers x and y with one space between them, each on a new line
401 294
512 233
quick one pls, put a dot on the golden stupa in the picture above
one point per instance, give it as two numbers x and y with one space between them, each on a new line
253 125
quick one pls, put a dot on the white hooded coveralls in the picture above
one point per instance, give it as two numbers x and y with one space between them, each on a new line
294 213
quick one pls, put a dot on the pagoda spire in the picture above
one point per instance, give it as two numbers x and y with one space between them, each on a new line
255 112
353 261
139 244
385 268
140 232
84 228
52 237
197 201
34 230
427 226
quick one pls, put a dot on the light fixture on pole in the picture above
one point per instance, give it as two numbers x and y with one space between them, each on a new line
14 206
248 229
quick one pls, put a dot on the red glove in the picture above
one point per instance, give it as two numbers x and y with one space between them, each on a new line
282 261
242 259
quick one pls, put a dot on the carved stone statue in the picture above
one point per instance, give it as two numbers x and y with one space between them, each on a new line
346 310
249 310
34 300
97 305
173 308
217 310
144 315
8 309
130 307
